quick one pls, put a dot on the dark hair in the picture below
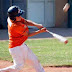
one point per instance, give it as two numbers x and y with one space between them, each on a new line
12 17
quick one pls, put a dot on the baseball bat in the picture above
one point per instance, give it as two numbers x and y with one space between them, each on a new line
59 37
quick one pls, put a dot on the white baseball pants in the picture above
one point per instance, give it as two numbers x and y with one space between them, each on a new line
21 55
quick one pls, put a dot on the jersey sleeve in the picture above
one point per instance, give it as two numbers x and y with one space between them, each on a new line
23 20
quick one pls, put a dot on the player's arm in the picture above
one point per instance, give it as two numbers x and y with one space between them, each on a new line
37 32
66 7
31 23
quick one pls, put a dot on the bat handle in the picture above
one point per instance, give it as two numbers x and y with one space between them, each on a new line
47 31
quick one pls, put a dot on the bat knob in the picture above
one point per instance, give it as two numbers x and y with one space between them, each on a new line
66 42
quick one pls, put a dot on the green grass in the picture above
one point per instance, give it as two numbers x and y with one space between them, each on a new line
50 52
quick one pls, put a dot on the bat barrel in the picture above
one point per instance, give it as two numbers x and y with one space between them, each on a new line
66 42
59 37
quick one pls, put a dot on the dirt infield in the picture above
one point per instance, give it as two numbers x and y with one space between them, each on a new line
29 69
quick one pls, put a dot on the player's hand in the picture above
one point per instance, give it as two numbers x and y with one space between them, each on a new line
66 7
43 29
39 26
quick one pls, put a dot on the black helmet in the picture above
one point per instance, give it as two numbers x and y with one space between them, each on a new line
14 11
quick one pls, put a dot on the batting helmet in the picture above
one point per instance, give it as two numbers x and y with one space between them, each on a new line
14 11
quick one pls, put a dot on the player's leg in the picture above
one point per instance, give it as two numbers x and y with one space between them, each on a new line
33 61
17 59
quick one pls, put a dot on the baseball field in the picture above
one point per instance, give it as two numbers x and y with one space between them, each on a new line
53 55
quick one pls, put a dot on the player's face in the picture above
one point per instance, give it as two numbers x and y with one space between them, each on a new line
18 18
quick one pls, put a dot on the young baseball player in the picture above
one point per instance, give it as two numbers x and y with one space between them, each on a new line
18 33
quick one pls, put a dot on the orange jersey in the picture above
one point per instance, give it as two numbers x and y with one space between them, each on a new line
16 31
